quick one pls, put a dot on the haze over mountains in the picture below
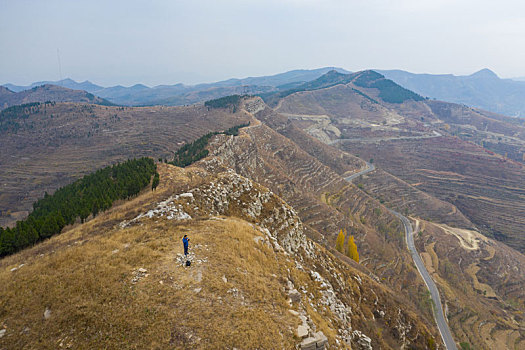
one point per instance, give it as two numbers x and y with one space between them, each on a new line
455 172
483 89
180 94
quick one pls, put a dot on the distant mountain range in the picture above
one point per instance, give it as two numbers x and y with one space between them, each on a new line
180 94
483 89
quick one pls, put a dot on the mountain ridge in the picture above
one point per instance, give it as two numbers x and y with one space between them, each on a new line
47 92
482 89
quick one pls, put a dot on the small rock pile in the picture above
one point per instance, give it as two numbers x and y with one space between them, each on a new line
171 209
139 274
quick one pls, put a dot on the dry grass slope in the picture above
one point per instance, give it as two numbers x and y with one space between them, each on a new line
85 288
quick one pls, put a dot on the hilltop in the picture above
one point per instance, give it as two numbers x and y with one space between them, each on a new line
44 93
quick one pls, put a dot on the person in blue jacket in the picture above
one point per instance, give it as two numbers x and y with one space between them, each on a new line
186 243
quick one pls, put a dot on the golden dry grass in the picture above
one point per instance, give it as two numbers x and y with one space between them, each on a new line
94 304
84 276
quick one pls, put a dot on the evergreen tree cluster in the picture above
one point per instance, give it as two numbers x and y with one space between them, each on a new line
388 90
231 102
192 152
234 130
90 195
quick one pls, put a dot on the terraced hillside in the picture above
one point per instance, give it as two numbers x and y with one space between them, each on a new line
482 281
414 141
47 146
404 198
429 170
251 264
489 190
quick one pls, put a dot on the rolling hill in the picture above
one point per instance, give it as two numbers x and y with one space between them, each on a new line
483 89
46 93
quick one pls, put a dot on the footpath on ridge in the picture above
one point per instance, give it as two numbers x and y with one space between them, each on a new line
439 316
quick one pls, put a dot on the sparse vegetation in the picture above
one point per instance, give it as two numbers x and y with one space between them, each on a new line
231 102
192 152
88 196
10 115
465 346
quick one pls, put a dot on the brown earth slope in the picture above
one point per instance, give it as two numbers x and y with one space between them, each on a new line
54 144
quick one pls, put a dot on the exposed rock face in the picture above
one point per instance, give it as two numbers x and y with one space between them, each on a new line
362 341
254 105
232 194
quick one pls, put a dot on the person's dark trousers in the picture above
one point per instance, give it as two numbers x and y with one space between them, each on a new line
185 250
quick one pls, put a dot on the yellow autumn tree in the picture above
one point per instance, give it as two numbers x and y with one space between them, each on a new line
352 249
340 242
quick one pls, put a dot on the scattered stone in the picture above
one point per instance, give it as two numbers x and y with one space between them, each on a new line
2 332
295 296
197 290
14 269
115 251
363 342
321 340
139 274
379 313
309 344
293 312
258 239
302 331
47 314
224 279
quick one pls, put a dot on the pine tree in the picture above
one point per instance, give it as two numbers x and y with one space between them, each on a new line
352 249
155 182
340 242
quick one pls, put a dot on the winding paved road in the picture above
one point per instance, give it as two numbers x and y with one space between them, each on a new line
434 293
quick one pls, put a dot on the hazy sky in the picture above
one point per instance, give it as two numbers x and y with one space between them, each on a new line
165 42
